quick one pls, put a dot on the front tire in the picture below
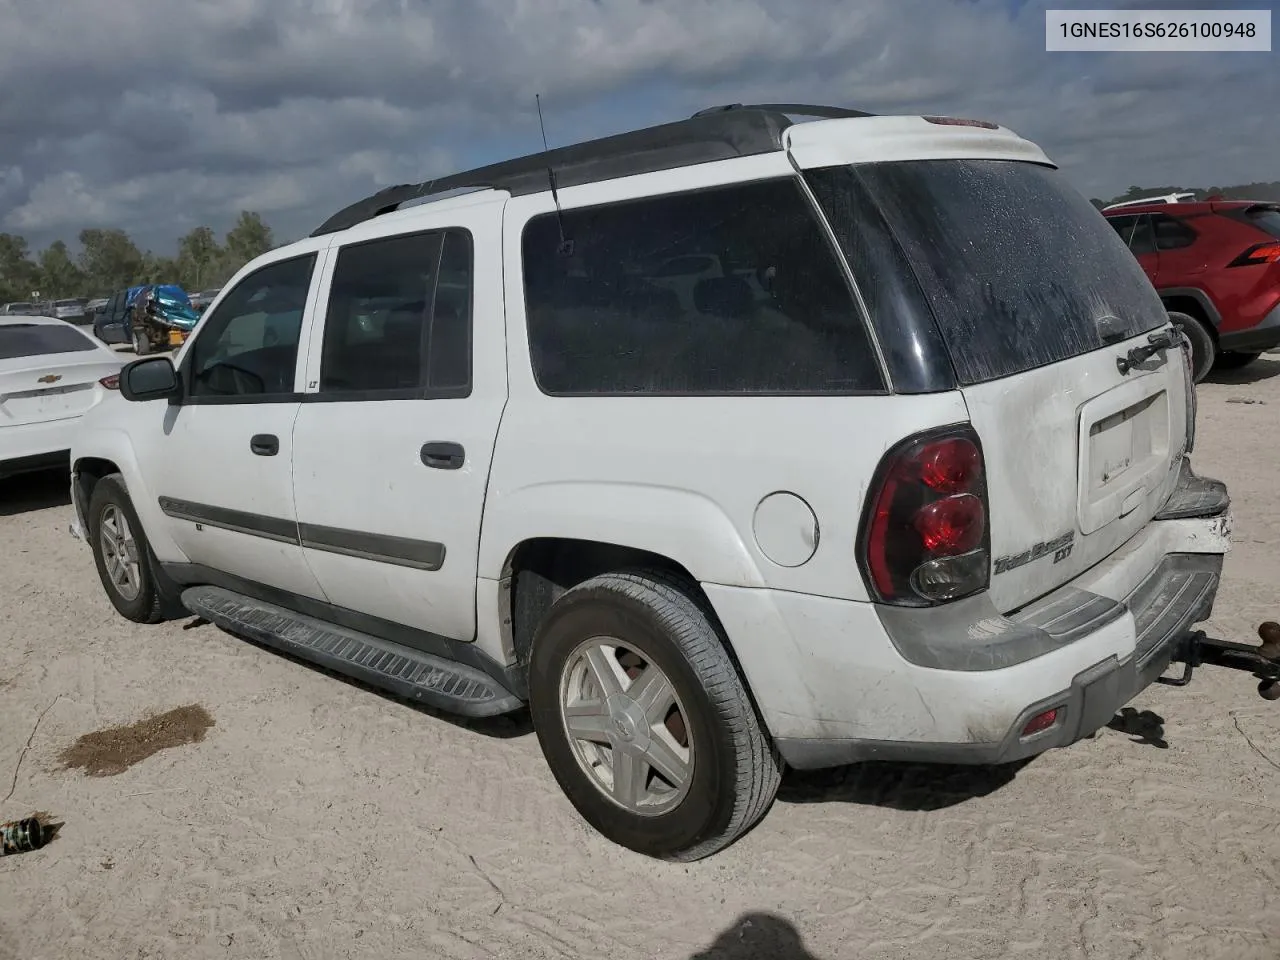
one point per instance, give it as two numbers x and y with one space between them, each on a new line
141 345
121 553
643 718
1204 349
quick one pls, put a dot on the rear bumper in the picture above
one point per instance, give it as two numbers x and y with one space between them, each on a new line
30 447
1265 335
836 684
1176 596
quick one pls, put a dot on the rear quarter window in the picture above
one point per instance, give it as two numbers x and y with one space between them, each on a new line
1016 266
38 339
727 291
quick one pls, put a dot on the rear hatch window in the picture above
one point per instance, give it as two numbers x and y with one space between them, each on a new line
1018 268
37 339
1266 217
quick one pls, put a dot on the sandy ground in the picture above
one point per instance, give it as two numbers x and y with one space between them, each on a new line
317 819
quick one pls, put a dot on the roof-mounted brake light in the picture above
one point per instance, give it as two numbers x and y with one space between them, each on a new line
957 122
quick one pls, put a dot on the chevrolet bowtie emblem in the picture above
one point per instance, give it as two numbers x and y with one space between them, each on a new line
50 378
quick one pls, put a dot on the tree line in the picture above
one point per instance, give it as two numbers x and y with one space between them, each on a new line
109 260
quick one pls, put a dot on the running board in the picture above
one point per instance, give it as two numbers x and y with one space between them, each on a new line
399 670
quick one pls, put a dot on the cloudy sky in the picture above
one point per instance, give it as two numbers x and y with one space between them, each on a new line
160 115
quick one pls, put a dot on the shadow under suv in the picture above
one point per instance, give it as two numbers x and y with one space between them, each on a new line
1216 266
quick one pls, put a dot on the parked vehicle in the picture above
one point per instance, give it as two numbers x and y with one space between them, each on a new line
1216 266
151 317
19 308
921 493
51 373
160 317
73 310
94 306
200 301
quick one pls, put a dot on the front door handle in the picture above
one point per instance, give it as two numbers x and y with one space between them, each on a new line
265 444
443 455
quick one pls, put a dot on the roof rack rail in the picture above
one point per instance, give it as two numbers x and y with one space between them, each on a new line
719 133
793 109
1183 197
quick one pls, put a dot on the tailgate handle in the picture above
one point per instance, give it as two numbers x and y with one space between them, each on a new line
265 444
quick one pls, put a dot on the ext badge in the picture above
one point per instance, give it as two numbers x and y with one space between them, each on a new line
50 378
1060 547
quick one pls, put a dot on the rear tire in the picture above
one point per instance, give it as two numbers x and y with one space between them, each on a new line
122 554
1230 360
1204 349
599 655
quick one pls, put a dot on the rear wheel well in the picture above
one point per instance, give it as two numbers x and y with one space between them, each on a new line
1192 308
539 572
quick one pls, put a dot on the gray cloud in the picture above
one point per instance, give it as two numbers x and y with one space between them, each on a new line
157 117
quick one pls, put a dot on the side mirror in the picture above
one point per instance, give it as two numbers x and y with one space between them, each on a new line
152 378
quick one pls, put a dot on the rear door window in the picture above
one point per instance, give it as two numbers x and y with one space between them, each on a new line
399 318
1017 267
726 291
38 339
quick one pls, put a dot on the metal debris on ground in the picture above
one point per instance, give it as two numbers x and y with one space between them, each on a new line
1262 403
21 836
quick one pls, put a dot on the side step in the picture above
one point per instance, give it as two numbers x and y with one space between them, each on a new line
402 671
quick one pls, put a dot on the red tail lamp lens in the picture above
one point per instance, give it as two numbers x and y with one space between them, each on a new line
952 526
951 466
112 382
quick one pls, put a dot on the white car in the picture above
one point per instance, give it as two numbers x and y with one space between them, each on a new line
51 374
923 493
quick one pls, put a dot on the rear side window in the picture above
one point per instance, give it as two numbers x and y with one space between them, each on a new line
1171 233
399 317
728 291
37 339
1018 268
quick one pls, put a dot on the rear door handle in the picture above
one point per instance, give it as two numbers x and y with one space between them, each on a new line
265 444
443 455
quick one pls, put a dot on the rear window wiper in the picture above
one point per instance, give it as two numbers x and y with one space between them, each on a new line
1156 342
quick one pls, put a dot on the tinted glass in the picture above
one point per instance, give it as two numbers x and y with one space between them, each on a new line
249 345
34 340
1017 266
399 315
1171 234
733 290
1266 219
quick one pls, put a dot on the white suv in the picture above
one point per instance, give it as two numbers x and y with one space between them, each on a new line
918 490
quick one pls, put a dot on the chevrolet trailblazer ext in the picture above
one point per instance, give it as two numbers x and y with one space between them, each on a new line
905 475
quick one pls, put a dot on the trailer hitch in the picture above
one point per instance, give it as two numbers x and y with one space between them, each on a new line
1262 660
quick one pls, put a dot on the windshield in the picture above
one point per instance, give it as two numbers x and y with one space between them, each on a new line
1017 268
66 303
36 339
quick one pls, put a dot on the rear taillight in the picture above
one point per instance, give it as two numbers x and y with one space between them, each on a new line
112 382
1259 253
925 536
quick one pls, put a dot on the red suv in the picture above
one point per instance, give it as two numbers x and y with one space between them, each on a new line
1216 266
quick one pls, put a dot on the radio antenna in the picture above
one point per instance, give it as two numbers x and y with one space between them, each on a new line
566 245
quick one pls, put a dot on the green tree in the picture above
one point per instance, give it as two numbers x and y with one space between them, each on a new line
110 260
60 276
199 258
18 275
249 238
158 269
